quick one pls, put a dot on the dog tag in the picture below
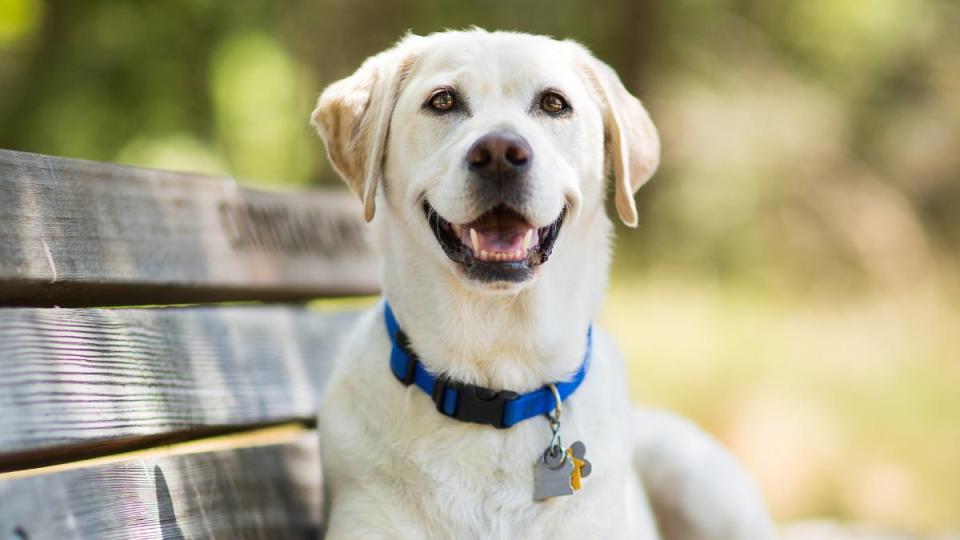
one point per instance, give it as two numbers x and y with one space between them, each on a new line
551 475
581 467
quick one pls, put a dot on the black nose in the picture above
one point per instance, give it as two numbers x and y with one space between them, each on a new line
500 154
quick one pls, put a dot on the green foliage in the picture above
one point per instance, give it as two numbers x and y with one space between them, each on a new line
18 20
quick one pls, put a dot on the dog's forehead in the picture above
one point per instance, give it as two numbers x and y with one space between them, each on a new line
496 62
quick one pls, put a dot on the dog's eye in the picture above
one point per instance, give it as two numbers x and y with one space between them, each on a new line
442 101
553 103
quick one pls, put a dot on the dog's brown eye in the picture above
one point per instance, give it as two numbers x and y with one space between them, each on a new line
552 103
442 101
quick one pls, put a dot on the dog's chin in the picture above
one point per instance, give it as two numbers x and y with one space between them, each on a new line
498 251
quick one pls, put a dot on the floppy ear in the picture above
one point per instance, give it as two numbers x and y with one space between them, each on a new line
632 142
353 119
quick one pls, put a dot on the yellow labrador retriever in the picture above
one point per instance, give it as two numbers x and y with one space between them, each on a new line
477 401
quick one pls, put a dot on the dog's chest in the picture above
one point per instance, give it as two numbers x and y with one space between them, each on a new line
493 498
480 483
413 472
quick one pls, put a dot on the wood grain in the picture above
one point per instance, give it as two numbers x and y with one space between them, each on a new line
91 376
271 491
79 233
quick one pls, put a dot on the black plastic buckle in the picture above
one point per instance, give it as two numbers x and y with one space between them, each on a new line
404 342
474 403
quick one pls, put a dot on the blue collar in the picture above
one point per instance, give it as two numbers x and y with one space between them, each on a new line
470 403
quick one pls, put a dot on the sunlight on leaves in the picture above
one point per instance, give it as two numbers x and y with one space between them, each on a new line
261 109
18 20
180 151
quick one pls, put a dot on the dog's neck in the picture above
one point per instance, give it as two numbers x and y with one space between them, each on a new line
513 341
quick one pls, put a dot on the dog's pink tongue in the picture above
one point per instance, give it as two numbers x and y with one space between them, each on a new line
508 239
501 235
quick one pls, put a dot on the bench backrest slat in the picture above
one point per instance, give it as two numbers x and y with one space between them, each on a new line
73 377
272 491
78 233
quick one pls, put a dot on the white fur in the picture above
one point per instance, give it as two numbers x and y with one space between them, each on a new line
395 467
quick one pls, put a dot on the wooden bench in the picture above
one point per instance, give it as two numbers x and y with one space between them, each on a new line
192 415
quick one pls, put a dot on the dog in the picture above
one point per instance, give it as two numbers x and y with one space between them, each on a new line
481 162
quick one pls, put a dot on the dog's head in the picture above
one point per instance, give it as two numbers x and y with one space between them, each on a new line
489 146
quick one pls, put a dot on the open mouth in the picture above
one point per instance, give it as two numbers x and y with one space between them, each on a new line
500 245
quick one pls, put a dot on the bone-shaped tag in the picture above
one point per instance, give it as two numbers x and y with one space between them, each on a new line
581 467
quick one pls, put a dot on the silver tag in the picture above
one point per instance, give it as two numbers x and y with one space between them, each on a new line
551 475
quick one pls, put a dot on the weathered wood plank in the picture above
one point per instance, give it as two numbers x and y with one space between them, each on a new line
271 491
79 233
81 376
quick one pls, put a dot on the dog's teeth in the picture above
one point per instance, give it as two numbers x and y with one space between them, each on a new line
474 240
526 239
518 254
484 255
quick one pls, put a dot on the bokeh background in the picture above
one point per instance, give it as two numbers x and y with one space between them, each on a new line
793 283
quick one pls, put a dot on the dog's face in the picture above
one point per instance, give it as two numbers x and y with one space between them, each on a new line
489 145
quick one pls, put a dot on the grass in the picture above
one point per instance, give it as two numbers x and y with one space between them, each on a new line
845 410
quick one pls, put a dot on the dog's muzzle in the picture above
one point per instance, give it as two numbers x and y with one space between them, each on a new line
500 245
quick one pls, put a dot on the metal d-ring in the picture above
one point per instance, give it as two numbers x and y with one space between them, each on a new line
558 408
555 418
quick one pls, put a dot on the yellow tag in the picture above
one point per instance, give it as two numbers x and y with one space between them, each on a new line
575 476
